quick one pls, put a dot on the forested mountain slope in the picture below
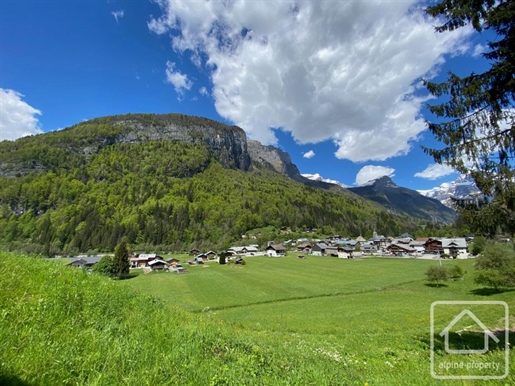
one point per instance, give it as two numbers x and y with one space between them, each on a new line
405 201
85 187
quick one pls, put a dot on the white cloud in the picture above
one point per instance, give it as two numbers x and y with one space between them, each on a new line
117 14
179 81
203 91
309 154
17 118
322 70
479 50
435 171
371 172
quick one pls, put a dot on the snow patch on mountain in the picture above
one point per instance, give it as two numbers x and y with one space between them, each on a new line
318 177
462 187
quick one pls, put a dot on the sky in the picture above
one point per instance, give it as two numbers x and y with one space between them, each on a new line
336 84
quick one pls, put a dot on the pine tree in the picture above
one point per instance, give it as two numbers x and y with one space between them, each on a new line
478 126
121 263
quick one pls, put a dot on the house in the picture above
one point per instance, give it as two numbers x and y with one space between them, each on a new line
319 249
86 262
211 255
433 245
455 247
173 261
345 252
200 258
400 248
143 259
275 250
331 251
405 236
369 248
360 239
158 265
246 250
379 241
418 245
304 248
194 252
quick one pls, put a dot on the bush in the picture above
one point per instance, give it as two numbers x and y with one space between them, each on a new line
104 267
456 272
437 273
495 268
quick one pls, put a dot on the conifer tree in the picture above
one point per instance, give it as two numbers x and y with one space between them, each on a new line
121 263
477 118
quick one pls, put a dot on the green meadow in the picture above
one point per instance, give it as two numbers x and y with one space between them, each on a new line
284 321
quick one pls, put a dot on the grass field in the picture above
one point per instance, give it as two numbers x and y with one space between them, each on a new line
377 310
274 321
268 280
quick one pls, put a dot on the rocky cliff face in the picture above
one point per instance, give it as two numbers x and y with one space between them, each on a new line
228 143
31 154
273 159
279 161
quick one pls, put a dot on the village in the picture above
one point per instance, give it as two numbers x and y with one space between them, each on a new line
403 246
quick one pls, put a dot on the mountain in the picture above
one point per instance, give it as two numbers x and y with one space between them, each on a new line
318 177
462 187
279 161
166 182
405 201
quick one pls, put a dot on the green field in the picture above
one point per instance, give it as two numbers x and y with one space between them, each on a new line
372 309
274 321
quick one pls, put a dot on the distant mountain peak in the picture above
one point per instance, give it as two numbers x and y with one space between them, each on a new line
403 200
382 182
462 187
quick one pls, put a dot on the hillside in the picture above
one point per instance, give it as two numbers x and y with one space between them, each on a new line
62 326
171 182
405 201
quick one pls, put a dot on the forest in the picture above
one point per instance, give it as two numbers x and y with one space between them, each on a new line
56 198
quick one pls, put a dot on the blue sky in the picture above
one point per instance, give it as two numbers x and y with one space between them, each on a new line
335 84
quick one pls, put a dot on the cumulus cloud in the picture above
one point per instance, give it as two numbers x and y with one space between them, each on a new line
309 154
344 71
17 117
117 14
370 172
435 171
179 81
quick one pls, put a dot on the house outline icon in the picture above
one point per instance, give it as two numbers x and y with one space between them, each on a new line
487 334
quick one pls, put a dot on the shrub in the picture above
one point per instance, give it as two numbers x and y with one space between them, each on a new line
104 267
495 268
437 273
456 272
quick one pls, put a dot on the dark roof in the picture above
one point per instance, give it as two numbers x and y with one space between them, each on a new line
85 260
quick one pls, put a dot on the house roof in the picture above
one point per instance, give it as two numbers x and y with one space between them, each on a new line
277 247
157 261
405 247
146 256
321 245
85 259
455 242
360 239
244 248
